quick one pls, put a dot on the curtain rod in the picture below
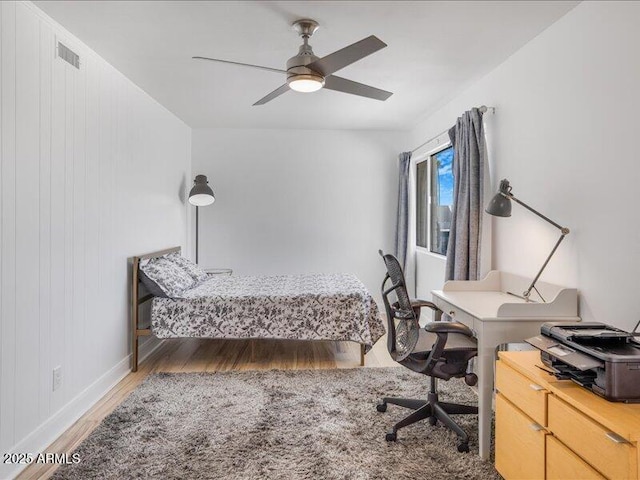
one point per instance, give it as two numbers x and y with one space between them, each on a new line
483 109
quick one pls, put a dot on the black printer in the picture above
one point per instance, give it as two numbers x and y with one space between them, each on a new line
597 356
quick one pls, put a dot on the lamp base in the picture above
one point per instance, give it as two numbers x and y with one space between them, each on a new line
523 297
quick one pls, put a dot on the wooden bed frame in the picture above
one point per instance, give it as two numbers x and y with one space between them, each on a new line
137 300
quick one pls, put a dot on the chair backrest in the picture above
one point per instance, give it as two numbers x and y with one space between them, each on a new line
403 327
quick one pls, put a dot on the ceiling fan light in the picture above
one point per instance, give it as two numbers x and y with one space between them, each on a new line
305 83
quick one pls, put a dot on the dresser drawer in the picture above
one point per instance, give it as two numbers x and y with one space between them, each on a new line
454 312
528 396
590 440
519 443
563 464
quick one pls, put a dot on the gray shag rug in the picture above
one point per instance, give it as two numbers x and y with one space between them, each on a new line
310 424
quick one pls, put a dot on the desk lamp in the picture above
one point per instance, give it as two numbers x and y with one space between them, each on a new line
500 206
200 195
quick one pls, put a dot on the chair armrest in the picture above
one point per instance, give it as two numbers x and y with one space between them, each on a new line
417 303
448 327
442 331
416 306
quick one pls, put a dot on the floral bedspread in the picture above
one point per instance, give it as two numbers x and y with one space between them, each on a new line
295 307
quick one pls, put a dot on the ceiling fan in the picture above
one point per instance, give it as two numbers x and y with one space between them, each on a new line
308 73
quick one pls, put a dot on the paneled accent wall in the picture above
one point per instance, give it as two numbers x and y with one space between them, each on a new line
92 171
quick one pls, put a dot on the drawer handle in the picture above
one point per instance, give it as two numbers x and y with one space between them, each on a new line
615 437
536 427
452 313
535 387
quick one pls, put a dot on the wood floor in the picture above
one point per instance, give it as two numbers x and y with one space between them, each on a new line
196 355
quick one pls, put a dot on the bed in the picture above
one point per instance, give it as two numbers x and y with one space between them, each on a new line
314 307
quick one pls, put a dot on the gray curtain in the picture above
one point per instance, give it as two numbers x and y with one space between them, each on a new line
402 221
463 252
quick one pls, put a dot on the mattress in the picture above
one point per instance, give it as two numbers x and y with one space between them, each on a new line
294 307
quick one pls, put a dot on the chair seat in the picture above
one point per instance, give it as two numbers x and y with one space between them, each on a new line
455 341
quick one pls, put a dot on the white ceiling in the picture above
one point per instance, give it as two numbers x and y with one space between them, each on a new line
435 50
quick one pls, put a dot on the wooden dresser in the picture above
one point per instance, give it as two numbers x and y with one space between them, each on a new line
555 429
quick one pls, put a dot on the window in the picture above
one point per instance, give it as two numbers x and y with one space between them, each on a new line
434 200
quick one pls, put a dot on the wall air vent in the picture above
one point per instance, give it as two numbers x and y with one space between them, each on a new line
68 55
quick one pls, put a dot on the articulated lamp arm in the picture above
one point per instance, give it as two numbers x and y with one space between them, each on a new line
564 230
500 206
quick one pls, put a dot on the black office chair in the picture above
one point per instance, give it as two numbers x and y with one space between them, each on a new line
439 350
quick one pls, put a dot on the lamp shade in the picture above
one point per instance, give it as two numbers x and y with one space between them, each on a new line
201 194
500 204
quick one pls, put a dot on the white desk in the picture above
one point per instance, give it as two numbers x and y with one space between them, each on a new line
497 317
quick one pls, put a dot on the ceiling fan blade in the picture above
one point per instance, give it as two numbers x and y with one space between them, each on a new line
276 93
340 84
346 56
277 70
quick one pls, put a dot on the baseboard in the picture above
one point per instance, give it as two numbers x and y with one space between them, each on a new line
44 435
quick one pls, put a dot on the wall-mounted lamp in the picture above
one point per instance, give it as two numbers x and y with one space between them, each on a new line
500 206
200 195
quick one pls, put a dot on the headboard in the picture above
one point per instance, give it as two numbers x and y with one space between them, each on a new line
136 300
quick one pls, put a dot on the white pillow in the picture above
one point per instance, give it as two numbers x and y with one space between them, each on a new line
197 273
170 278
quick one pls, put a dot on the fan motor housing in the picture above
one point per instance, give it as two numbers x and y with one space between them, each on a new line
305 57
296 69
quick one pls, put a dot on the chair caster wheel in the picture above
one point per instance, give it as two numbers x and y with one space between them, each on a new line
471 379
391 437
432 421
463 447
381 407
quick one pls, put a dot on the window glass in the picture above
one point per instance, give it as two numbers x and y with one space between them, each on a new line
441 199
434 201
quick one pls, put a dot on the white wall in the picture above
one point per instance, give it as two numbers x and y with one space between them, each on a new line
565 134
298 201
92 172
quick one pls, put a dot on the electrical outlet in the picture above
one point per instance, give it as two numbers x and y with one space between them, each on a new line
57 378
